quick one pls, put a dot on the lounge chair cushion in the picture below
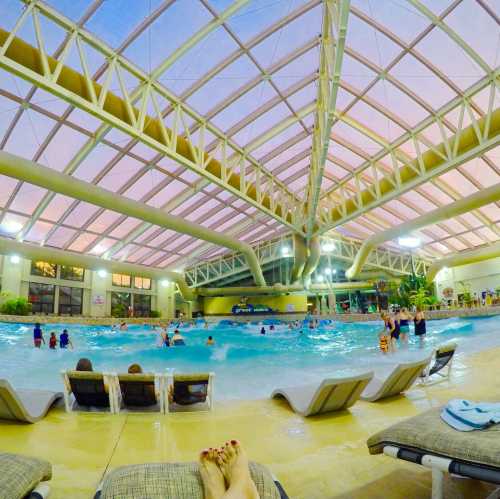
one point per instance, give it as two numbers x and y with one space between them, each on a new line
20 475
172 480
138 389
429 433
88 388
190 388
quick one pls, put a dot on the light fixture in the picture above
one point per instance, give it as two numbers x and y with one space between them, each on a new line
285 251
328 247
15 259
11 226
319 278
102 273
334 271
98 248
409 242
164 283
328 271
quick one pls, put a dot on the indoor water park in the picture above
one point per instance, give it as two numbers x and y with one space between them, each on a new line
249 249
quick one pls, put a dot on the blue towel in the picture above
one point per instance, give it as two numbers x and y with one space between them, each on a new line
464 415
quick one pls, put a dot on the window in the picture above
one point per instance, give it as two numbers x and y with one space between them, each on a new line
120 302
122 280
142 283
41 297
142 305
72 273
44 269
70 300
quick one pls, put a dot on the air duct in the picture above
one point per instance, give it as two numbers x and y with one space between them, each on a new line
464 258
33 173
312 260
480 198
32 252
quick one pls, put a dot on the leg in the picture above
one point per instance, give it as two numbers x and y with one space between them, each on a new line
211 475
233 462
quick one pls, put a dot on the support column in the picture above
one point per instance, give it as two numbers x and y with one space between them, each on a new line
99 306
324 308
332 303
12 276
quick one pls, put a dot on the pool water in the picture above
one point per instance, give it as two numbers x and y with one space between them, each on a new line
247 365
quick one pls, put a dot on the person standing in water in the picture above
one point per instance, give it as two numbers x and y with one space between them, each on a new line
38 336
177 339
52 341
210 341
64 340
263 330
404 324
420 326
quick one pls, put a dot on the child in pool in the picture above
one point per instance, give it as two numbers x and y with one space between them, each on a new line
52 341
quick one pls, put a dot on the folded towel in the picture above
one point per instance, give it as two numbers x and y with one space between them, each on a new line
464 415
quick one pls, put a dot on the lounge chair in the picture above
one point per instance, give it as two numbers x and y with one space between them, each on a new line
28 406
443 357
190 390
332 394
140 391
90 389
427 440
20 477
179 480
399 380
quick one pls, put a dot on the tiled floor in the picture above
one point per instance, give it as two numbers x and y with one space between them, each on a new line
322 457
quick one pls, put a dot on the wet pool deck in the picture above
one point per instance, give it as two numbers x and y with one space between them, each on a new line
316 458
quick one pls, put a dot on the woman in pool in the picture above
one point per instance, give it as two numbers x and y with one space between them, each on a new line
38 338
64 340
420 326
392 330
210 341
262 330
177 339
404 324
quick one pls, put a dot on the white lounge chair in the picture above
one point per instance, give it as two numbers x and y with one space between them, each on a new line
443 359
332 394
398 381
141 391
193 391
90 389
28 406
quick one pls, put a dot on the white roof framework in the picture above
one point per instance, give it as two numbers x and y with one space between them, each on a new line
243 75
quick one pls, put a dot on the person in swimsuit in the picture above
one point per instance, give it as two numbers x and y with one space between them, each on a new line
177 339
52 341
385 335
38 336
404 324
210 341
395 332
392 328
64 340
263 330
420 327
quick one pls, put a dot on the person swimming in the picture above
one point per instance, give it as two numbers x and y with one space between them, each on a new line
64 340
52 341
262 330
210 341
271 328
177 339
38 338
123 326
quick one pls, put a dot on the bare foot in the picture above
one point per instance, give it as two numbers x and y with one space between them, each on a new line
233 462
211 475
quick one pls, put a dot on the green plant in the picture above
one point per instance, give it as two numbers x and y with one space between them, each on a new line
465 291
16 306
154 314
497 291
420 297
119 310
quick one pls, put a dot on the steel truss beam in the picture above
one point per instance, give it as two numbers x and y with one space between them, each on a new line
335 16
225 266
139 114
375 186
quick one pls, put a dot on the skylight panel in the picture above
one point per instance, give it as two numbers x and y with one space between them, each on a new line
27 198
137 255
453 225
38 232
356 137
16 86
102 246
481 172
297 69
279 141
354 73
471 219
423 82
346 155
157 255
161 238
74 9
125 227
83 240
477 28
104 221
458 183
370 42
225 83
120 174
81 214
492 211
60 237
56 208
391 97
289 38
84 120
96 160
488 234
456 244
7 185
337 171
29 133
168 193
49 102
402 209
145 184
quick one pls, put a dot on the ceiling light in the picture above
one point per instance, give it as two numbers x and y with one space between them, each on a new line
15 259
285 251
334 271
319 278
164 283
98 248
409 242
328 247
328 271
11 226
102 273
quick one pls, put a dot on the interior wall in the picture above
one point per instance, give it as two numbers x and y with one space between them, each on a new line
284 304
481 276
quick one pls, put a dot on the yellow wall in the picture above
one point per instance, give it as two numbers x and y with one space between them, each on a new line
223 304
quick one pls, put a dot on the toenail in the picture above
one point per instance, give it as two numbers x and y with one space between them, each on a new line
234 442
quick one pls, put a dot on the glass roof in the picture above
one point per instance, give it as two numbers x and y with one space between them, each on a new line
255 71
